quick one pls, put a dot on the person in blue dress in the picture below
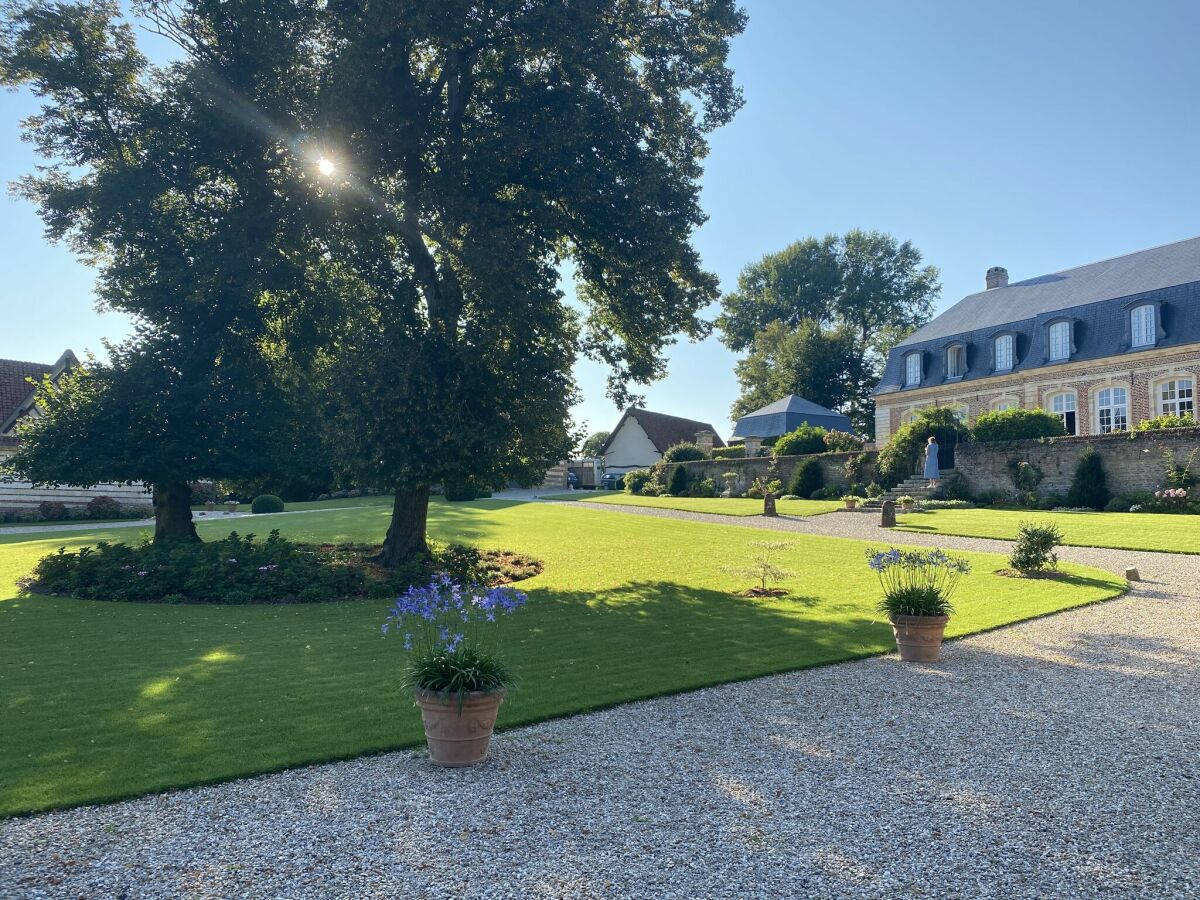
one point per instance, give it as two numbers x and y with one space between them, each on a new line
931 462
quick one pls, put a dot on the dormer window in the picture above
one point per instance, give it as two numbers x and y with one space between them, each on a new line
1141 326
956 361
1060 341
912 370
1003 352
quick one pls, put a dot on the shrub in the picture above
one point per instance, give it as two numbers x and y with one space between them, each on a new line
874 490
266 503
831 492
1118 504
807 479
652 489
842 442
1016 425
917 582
703 487
855 466
679 482
898 460
1025 475
757 490
956 488
52 511
737 451
804 440
1089 487
1163 422
947 504
103 508
1179 476
637 479
1034 548
460 491
683 452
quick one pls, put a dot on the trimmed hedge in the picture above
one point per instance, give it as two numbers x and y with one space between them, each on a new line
683 452
804 440
807 479
1089 487
1017 425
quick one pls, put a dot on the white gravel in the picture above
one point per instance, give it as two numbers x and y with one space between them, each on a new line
1057 758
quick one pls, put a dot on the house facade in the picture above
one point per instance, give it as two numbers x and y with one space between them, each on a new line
642 436
1102 346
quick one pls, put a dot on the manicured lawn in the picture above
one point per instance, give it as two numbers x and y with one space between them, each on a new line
721 506
100 701
335 503
1128 531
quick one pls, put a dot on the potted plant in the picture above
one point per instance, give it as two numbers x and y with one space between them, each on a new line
231 505
917 586
851 501
906 502
457 678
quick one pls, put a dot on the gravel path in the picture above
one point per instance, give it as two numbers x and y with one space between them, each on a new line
1057 758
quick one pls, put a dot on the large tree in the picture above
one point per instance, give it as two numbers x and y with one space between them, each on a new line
475 147
183 185
865 283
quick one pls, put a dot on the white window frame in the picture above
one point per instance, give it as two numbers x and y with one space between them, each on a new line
1142 331
959 352
909 360
1060 341
1171 395
1002 403
1071 409
1111 417
1009 342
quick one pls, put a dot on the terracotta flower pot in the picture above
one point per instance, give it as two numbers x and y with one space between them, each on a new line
851 504
231 507
457 739
919 638
907 507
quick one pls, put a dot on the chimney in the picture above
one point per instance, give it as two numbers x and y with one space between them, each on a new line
705 440
997 276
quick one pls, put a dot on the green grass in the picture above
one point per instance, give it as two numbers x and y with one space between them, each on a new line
1122 531
721 506
100 701
336 503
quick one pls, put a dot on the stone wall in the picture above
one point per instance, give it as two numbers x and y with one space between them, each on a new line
767 467
1133 462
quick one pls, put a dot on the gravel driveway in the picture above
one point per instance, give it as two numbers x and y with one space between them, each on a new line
1056 758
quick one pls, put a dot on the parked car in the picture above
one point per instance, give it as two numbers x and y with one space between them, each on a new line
572 481
613 481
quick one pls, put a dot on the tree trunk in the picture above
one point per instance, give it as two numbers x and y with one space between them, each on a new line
406 534
173 513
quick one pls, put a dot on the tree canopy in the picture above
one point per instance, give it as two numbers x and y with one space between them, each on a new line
797 311
376 199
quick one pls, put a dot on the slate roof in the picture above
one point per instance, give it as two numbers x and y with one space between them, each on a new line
787 414
1095 299
664 431
16 392
1121 276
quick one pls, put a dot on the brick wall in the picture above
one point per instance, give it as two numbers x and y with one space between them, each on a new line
1133 462
767 467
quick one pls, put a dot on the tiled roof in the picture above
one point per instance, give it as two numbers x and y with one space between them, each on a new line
14 385
664 431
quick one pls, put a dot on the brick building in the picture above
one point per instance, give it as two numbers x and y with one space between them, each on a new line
1103 346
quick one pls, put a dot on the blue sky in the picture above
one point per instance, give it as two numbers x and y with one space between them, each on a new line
1035 136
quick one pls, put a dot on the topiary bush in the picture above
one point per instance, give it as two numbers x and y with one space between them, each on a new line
898 459
460 491
1034 548
1016 425
683 452
679 482
266 503
804 440
103 508
807 479
1089 487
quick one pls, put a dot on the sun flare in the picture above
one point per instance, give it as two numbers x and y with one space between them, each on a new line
326 166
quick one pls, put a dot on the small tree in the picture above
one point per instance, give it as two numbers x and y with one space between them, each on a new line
763 568
804 440
807 479
1034 549
683 452
1089 487
679 482
592 446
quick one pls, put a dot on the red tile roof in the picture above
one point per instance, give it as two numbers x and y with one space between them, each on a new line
14 385
665 431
